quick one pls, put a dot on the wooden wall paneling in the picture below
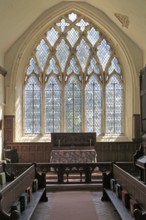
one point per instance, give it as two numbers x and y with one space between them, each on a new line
137 127
73 139
106 151
8 128
115 151
142 80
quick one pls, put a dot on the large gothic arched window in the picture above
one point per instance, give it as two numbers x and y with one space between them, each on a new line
73 81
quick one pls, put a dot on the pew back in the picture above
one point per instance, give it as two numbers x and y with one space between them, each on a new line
134 187
11 192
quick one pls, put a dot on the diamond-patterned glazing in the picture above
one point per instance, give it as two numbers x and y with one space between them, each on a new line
42 52
77 80
52 106
114 106
32 67
73 67
62 24
82 24
104 52
93 67
114 66
72 106
93 36
62 53
52 36
52 67
32 106
83 52
72 16
93 106
72 36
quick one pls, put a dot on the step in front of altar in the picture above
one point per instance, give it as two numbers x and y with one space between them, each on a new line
74 187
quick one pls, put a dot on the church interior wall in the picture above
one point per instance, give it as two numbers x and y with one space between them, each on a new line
130 55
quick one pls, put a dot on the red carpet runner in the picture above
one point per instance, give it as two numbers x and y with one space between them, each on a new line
74 205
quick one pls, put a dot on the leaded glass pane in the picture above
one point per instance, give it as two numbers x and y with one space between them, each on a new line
32 67
52 106
83 52
104 52
93 36
62 53
52 67
42 52
93 67
82 24
93 106
52 36
73 67
62 24
73 71
114 106
72 16
72 36
73 106
114 66
32 97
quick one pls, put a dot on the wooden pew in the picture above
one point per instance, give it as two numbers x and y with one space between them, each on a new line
135 189
9 175
10 193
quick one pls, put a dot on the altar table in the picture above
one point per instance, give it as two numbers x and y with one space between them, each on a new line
73 156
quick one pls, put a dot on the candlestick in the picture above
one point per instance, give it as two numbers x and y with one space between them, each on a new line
59 143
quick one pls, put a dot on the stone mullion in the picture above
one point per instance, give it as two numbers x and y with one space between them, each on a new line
63 104
104 105
43 119
83 102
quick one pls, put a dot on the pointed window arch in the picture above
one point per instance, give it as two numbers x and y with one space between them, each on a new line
78 78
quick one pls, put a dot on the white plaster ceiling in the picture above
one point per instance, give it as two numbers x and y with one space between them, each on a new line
17 15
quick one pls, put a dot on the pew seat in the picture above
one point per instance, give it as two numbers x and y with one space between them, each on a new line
117 203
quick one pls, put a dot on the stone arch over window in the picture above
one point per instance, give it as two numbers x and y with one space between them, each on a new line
116 59
76 51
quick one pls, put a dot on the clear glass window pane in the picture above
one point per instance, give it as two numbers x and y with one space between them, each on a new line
52 106
75 65
32 105
93 106
114 106
73 106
